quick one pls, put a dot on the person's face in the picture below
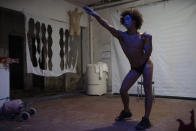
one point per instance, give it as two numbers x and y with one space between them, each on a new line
127 21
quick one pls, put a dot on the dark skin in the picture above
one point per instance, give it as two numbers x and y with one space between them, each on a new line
137 47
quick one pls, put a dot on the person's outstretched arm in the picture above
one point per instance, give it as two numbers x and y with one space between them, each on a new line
104 23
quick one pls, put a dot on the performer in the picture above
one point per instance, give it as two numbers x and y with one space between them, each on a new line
137 47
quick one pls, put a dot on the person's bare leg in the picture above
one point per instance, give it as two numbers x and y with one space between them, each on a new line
129 80
147 75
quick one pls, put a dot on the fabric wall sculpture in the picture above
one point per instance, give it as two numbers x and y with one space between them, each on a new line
74 19
66 48
31 42
62 44
48 49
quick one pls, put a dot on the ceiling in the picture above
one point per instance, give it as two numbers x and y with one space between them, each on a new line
99 3
91 2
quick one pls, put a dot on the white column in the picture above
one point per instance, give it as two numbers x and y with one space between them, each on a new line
4 84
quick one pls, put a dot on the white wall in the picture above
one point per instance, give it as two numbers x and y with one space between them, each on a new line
55 9
101 44
4 84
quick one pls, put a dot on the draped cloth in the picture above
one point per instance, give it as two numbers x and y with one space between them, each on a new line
172 26
48 47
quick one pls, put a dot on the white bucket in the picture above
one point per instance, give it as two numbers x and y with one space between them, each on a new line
96 89
93 77
96 85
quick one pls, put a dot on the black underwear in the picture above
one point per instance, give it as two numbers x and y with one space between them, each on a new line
139 69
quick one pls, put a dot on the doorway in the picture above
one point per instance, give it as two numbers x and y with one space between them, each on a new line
16 50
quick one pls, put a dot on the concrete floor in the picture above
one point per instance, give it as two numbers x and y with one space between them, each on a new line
79 112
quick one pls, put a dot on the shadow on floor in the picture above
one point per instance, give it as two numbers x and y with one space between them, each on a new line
118 126
187 127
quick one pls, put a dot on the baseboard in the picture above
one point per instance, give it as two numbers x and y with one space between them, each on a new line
169 97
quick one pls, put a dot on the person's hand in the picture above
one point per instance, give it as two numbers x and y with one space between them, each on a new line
145 35
88 10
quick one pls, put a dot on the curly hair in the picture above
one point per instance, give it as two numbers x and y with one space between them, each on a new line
135 15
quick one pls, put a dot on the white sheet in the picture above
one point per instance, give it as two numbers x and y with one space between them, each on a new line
172 25
56 70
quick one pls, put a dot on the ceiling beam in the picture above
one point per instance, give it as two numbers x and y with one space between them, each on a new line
126 4
110 4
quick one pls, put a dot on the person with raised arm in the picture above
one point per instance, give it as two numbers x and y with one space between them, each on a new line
138 48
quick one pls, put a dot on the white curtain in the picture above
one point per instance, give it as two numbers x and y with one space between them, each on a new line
172 25
56 59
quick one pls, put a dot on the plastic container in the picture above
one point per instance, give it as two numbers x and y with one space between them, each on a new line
97 85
